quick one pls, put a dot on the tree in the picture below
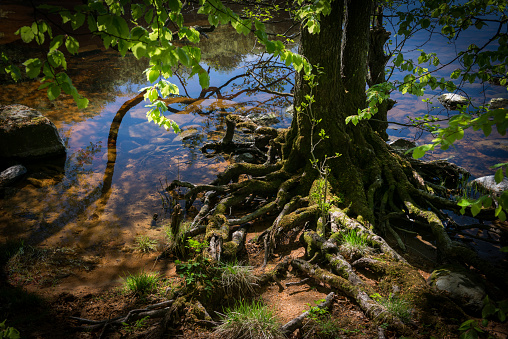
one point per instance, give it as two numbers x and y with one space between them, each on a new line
329 174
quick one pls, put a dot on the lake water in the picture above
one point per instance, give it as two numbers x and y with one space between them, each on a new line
73 208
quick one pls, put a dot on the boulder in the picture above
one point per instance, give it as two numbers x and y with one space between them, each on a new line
401 146
488 184
461 285
26 133
498 103
11 174
451 100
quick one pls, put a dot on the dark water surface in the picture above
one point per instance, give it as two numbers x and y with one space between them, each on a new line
74 208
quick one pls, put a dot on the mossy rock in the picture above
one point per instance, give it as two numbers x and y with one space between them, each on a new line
26 133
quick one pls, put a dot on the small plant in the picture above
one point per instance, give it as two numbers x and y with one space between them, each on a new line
395 305
197 273
144 244
315 313
249 320
323 325
471 328
142 283
237 279
8 332
138 325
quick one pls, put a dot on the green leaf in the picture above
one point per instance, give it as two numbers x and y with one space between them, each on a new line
488 310
463 202
121 25
27 35
204 79
56 43
476 208
33 67
498 177
175 5
92 23
183 57
81 102
72 45
139 50
77 20
152 75
13 70
425 23
137 11
54 91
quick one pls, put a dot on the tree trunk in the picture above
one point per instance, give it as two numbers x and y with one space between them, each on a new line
336 97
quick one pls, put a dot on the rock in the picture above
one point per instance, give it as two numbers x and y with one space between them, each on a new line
461 285
244 157
11 174
450 100
290 110
401 146
498 103
488 183
26 133
264 119
186 134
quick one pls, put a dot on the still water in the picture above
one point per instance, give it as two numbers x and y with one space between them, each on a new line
72 207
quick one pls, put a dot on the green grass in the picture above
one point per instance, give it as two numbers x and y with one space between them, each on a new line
248 320
354 242
237 279
395 305
144 244
142 283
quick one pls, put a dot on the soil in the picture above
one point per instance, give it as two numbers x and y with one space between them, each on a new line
43 288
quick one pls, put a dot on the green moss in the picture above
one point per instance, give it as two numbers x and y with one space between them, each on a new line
230 248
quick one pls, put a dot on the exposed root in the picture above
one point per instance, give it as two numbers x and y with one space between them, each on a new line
369 306
340 218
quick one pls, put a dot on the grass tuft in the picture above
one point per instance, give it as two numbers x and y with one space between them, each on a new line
354 242
237 279
142 283
144 244
249 320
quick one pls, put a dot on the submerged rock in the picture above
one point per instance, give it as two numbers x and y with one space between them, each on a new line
451 100
498 103
186 134
26 133
461 285
11 174
266 119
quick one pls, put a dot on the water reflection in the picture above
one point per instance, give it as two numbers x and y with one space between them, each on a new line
108 195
